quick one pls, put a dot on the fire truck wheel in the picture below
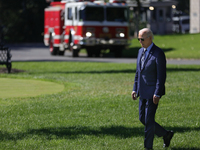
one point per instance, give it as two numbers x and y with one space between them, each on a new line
97 52
89 52
118 53
75 53
54 50
61 53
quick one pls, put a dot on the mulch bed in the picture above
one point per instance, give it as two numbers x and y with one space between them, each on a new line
4 70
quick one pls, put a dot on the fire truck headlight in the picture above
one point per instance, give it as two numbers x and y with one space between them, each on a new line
111 41
88 34
122 35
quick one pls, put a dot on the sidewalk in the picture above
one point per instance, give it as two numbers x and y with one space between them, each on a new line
40 52
184 61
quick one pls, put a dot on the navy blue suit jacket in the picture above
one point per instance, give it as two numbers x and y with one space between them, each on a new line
150 79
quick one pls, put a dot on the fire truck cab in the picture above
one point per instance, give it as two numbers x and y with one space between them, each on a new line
94 26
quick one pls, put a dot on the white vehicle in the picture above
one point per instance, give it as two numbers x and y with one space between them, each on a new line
181 24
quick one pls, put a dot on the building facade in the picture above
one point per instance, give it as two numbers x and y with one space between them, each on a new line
194 16
156 14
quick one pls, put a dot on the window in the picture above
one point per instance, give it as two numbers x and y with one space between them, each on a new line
168 14
186 21
69 14
76 13
117 14
92 14
160 15
154 15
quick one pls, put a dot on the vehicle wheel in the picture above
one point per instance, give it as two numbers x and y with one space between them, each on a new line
75 52
53 50
61 53
117 50
71 46
97 52
118 53
89 52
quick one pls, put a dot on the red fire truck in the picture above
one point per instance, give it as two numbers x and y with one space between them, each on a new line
95 26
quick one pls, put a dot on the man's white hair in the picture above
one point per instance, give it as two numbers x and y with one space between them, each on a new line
148 32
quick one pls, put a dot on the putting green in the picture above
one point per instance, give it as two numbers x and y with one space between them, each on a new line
27 88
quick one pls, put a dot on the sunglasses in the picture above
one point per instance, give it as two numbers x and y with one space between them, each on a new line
142 39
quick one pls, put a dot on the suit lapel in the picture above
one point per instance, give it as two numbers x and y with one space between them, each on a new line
148 56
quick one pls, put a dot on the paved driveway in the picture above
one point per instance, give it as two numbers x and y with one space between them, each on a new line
38 52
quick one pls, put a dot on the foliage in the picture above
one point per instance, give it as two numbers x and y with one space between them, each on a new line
184 6
95 110
23 20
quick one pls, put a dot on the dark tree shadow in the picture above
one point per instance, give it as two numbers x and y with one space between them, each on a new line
132 71
74 132
132 52
182 148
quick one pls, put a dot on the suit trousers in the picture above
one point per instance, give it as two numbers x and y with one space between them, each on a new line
147 111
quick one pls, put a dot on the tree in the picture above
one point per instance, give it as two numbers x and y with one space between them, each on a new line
183 6
137 16
23 20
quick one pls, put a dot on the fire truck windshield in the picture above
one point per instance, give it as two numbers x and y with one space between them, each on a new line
92 14
117 14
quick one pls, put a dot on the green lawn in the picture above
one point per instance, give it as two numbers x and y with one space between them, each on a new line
95 110
183 46
24 88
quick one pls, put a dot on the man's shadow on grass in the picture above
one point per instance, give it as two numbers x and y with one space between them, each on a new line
74 132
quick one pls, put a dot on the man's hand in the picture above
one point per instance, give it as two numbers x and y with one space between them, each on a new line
156 99
133 94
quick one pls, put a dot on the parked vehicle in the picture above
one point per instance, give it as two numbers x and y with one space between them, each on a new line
93 25
181 24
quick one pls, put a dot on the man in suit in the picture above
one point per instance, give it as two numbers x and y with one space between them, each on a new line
149 85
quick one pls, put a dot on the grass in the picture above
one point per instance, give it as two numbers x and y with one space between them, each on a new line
95 110
24 88
178 46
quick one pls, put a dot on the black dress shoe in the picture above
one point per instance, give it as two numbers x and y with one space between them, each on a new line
168 138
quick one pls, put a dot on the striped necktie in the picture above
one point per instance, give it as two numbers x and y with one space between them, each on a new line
143 57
